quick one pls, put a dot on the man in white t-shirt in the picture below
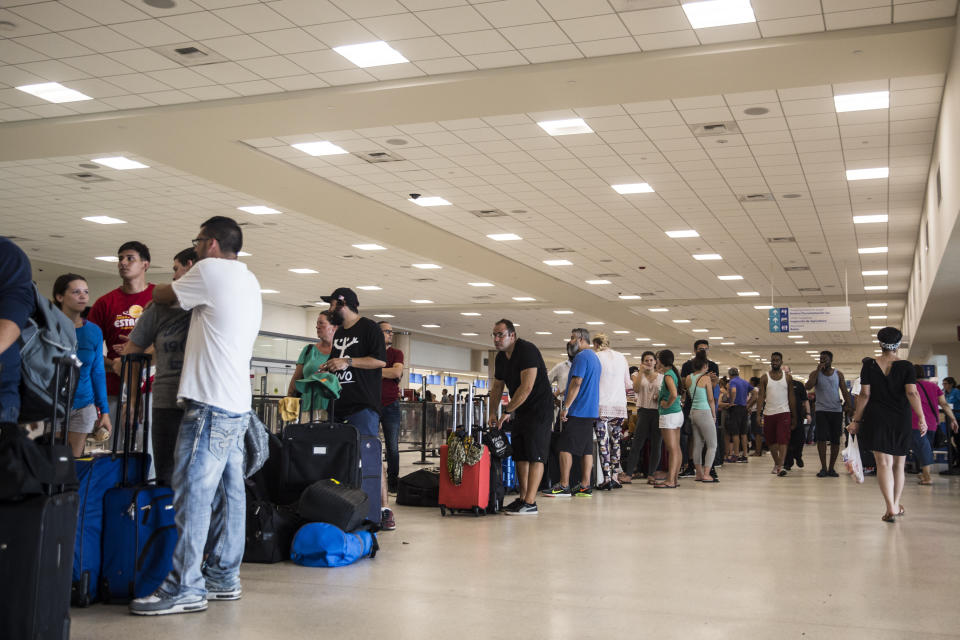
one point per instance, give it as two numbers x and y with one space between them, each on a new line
209 499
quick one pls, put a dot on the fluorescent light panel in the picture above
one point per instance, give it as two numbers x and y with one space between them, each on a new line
319 148
243 254
503 237
430 326
369 247
383 315
875 287
630 296
429 201
598 282
685 233
524 299
877 272
595 322
105 220
730 277
469 313
763 307
480 284
269 291
371 54
718 13
369 287
747 294
563 312
636 187
567 127
877 217
53 92
426 265
108 258
876 304
680 321
120 163
862 101
302 271
707 256
557 263
421 301
863 250
868 174
259 210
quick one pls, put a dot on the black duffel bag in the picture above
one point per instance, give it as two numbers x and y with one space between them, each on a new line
419 489
334 503
270 528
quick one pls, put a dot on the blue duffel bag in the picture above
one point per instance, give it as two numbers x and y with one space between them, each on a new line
319 544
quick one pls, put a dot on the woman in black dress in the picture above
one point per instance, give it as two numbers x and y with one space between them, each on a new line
882 417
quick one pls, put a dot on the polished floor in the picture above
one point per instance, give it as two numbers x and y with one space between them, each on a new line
755 556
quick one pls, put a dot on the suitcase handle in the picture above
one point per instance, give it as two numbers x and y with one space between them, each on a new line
131 379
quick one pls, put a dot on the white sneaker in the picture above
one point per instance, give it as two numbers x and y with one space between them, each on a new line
159 604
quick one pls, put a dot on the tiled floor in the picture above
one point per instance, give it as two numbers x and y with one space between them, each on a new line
755 556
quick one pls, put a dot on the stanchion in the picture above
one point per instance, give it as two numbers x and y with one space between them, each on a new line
423 424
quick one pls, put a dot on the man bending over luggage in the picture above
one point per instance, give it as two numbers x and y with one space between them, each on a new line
520 367
209 499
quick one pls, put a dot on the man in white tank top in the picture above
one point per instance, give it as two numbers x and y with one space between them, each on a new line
776 402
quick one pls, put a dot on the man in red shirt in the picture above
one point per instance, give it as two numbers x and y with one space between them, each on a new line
390 417
117 312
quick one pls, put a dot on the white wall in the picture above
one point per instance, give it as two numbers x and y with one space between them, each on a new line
286 319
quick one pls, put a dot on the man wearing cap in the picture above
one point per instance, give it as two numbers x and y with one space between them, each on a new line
359 354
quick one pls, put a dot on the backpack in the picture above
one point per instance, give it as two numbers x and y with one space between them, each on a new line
48 336
319 544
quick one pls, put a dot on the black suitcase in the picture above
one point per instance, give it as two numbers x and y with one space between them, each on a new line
419 489
36 544
335 503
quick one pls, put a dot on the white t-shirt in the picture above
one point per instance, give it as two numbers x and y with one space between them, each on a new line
614 382
560 373
225 298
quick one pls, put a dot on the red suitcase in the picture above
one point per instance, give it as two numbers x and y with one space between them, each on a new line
473 492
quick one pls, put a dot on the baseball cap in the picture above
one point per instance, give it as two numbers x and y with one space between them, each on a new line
345 295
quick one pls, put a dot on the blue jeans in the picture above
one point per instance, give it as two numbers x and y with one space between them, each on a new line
10 384
367 422
390 422
209 500
922 448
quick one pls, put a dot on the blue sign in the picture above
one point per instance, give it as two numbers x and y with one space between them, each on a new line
435 379
929 370
480 384
415 378
449 381
779 319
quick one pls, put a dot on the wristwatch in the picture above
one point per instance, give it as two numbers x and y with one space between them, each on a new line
349 360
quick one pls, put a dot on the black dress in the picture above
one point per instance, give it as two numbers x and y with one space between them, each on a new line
886 423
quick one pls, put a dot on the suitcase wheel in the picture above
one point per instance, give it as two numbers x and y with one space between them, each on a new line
476 512
443 511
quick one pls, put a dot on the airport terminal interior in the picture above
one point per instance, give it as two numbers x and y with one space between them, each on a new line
768 175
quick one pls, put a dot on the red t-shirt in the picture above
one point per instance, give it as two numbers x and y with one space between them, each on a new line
390 387
116 313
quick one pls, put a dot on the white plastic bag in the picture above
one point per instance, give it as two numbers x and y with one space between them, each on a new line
851 458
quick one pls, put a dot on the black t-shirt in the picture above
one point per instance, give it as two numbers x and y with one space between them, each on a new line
525 356
360 388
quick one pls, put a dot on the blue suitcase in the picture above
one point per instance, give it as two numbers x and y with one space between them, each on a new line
371 467
138 542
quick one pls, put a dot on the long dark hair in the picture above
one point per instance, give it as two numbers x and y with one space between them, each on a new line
60 286
666 359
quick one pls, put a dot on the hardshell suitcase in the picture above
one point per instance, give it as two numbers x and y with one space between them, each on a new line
473 492
335 503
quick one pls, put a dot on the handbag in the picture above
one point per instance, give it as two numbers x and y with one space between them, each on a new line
498 444
256 445
851 458
940 439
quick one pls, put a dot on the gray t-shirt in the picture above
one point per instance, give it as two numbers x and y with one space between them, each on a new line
166 327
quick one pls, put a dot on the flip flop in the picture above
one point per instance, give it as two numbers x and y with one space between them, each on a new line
888 517
664 486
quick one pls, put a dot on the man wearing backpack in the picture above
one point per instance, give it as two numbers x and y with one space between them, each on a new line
16 306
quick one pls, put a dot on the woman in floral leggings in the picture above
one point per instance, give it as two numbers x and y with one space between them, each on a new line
614 384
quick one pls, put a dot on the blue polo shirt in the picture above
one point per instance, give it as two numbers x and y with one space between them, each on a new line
586 365
743 390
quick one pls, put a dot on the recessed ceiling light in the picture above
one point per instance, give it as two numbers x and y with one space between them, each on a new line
746 353
700 330
369 247
685 233
369 287
524 299
681 321
598 282
763 307
747 294
53 92
718 13
383 315
658 309
872 250
707 256
108 258
794 337
815 352
371 54
595 322
876 317
469 313
105 220
730 277
879 217
320 148
557 263
862 101
426 265
563 312
727 344
868 174
875 287
636 187
243 254
544 333
302 271
630 296
802 342
468 334
642 339
269 291
480 284
431 201
259 210
421 301
715 337
503 237
565 127
120 163
659 344
430 326
877 272
876 304
685 353
621 331
876 326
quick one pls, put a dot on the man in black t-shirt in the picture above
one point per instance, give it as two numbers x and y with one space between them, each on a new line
685 440
519 366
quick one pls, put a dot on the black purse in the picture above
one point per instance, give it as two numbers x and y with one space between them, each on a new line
498 444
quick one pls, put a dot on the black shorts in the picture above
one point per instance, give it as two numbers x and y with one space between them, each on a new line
755 428
737 420
829 426
531 436
577 436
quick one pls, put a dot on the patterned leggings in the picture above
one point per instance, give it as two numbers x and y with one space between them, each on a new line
608 439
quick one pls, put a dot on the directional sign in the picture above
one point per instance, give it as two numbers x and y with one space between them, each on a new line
794 319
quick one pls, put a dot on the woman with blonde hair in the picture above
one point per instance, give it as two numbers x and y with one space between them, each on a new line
614 384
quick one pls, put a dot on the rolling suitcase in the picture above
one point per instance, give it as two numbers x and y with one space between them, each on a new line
334 503
36 544
139 533
473 492
371 468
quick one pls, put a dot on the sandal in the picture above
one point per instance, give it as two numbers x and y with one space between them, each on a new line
664 486
926 483
901 512
888 517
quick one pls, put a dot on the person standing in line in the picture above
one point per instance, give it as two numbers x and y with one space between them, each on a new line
738 424
776 401
520 368
165 327
646 386
952 395
390 399
208 482
313 405
755 429
671 417
888 393
559 374
703 417
614 383
829 385
71 294
17 304
687 469
117 312
358 357
931 398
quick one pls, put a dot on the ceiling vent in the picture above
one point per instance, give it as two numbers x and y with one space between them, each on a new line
488 213
424 279
608 275
756 197
189 54
714 129
809 289
558 250
376 157
86 176
350 256
781 240
796 268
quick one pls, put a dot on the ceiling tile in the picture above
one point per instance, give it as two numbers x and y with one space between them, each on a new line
611 47
494 60
791 26
552 54
254 17
370 8
273 67
289 41
454 20
239 47
511 13
336 34
673 39
56 16
396 27
535 35
656 20
427 48
101 39
106 11
226 72
860 18
308 12
53 45
567 9
778 9
151 33
201 26
594 28
143 60
924 10
488 41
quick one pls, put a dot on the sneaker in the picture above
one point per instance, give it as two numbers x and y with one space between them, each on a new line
160 604
614 485
833 474
524 510
783 473
951 472
220 593
387 521
822 473
689 472
556 491
583 492
743 459
800 462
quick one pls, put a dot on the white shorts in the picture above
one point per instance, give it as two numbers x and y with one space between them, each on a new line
82 419
671 420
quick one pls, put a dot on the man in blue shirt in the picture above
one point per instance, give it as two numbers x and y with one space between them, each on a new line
16 306
581 409
737 423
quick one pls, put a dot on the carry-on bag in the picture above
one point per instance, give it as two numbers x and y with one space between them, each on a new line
334 502
420 488
36 542
269 528
472 492
320 544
